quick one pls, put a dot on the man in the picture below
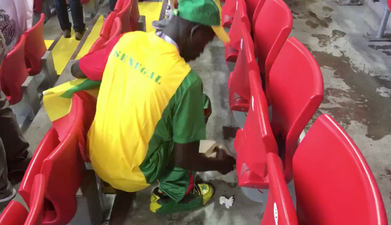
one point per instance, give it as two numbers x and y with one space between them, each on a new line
13 147
77 18
150 110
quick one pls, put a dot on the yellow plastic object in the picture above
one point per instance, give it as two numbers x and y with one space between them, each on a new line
48 43
151 11
63 52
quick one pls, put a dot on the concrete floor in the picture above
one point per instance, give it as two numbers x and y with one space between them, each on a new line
357 94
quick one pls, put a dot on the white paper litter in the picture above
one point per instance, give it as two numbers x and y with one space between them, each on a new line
228 202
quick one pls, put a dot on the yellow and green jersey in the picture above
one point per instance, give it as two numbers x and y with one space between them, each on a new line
148 100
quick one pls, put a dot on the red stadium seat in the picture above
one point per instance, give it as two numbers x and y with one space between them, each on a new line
238 84
63 183
106 27
134 15
123 8
115 29
59 150
98 44
255 140
228 13
257 11
35 47
230 7
271 29
14 214
47 146
333 182
296 90
235 33
279 207
13 72
36 202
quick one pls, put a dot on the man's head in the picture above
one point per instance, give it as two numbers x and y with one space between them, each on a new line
195 23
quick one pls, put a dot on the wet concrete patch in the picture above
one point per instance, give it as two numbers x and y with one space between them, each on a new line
325 40
364 104
322 22
311 24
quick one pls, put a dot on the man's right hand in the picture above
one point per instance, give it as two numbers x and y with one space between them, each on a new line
227 162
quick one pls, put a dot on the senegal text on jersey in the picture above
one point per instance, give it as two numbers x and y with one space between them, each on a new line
136 65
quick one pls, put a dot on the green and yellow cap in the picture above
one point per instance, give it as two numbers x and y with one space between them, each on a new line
205 12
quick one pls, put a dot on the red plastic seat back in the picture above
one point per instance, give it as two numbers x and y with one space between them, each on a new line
296 90
123 11
228 13
251 7
115 29
14 72
14 214
279 207
238 82
235 32
35 47
256 13
36 202
107 25
98 44
64 168
48 144
271 29
134 15
333 182
256 139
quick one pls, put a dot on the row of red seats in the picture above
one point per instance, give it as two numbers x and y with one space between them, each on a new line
23 60
292 85
59 165
123 19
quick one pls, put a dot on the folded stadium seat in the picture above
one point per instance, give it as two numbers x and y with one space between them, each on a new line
235 33
255 140
334 184
230 6
115 29
296 90
37 201
35 47
98 44
107 24
134 15
110 29
238 83
270 31
47 146
123 8
14 214
13 72
279 207
54 155
228 13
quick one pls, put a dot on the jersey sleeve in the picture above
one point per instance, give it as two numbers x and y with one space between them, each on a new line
93 64
189 121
